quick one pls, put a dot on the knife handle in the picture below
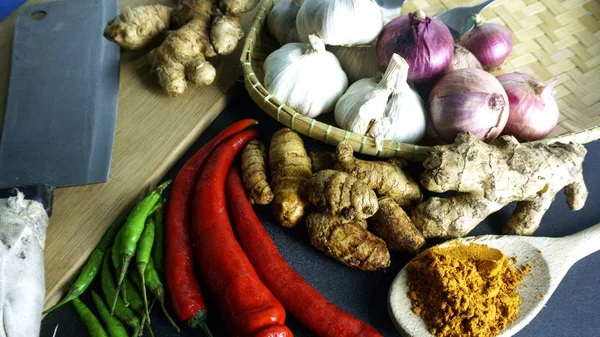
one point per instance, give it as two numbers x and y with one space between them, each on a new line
42 193
23 226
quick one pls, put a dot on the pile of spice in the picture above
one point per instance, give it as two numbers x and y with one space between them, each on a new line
465 290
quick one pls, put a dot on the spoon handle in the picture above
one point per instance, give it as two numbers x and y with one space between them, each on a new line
581 244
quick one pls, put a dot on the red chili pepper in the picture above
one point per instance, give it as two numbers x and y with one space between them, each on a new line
275 331
184 291
298 296
245 302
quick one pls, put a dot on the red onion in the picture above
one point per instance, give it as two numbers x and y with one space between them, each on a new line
533 110
424 42
468 100
462 59
490 43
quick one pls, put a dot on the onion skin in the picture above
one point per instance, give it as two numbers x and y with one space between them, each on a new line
534 112
468 100
462 59
490 43
413 36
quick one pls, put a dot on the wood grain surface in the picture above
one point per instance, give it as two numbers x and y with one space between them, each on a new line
153 130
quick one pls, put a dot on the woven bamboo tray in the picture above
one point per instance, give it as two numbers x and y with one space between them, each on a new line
551 38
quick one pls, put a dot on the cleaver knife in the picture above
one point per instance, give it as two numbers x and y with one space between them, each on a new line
58 130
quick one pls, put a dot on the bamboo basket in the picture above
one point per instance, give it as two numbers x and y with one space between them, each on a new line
551 38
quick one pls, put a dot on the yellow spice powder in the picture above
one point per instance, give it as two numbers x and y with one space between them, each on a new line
465 290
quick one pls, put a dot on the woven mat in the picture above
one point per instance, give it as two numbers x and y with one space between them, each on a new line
551 38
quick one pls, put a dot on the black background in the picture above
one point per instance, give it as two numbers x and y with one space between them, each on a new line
573 310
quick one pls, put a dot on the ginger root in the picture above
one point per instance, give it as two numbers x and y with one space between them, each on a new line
254 173
201 29
489 176
225 33
385 178
182 55
395 227
136 27
338 193
347 242
290 170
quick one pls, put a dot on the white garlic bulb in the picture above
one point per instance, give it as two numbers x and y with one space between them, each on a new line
357 61
305 76
388 109
340 22
281 21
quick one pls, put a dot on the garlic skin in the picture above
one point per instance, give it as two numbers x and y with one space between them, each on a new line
388 109
306 77
358 62
360 105
340 22
281 21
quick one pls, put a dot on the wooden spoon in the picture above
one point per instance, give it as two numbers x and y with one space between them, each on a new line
550 259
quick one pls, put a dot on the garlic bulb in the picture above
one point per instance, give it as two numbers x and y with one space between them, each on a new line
306 77
340 22
357 61
281 21
387 109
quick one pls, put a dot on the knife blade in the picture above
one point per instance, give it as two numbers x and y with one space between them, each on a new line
62 96
59 128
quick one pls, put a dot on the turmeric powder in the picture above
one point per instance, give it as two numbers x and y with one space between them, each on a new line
465 290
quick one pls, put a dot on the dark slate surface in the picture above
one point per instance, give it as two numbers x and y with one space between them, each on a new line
572 311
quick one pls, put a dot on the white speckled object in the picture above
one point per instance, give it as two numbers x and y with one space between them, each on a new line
23 226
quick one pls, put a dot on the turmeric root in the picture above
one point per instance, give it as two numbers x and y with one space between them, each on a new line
489 176
385 178
136 27
290 171
324 161
395 227
347 242
340 194
254 173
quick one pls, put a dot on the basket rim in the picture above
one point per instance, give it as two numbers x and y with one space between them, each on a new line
333 134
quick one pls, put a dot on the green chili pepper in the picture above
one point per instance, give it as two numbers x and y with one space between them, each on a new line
122 312
133 228
114 254
113 325
136 302
133 277
91 322
148 324
156 287
157 248
142 255
93 265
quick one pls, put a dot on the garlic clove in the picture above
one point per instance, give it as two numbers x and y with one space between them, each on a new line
380 130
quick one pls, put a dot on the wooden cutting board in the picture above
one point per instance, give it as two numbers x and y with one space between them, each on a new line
153 131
